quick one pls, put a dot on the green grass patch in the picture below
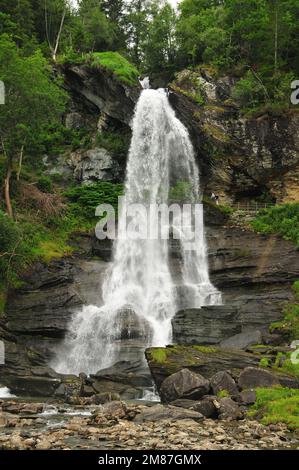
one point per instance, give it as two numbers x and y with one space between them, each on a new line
216 133
182 191
205 349
289 326
281 220
264 362
223 394
227 210
158 355
195 96
121 68
289 367
277 405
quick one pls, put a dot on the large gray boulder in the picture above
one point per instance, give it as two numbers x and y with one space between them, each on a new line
93 165
184 384
160 412
229 409
242 340
253 377
207 406
223 381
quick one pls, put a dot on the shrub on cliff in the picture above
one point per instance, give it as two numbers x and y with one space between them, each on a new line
84 199
289 326
281 220
121 68
9 236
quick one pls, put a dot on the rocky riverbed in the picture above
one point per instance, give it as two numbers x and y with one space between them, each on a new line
119 425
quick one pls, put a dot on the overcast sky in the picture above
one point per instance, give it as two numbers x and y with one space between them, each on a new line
173 2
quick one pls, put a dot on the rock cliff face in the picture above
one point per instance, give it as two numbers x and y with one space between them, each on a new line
254 273
240 158
98 103
99 90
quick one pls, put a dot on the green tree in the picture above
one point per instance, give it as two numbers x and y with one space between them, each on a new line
17 18
160 47
115 12
201 31
94 30
33 101
136 27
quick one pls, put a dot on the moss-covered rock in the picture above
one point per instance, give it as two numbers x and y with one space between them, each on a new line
206 361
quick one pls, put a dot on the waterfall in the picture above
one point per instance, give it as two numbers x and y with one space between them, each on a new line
140 292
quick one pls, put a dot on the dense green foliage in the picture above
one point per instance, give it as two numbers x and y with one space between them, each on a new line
85 199
117 143
282 220
256 41
121 67
277 405
46 222
33 100
181 192
289 326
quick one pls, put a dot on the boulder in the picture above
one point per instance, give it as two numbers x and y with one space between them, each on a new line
206 406
115 409
102 398
133 373
74 120
184 384
161 412
247 397
87 391
253 377
93 165
205 361
223 381
126 378
31 386
242 340
229 409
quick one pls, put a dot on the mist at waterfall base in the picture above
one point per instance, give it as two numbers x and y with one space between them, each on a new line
140 293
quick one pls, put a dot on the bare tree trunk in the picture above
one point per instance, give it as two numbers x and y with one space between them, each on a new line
260 81
7 191
59 35
54 49
7 181
20 163
276 36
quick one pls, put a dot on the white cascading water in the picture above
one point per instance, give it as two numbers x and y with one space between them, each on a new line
140 293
